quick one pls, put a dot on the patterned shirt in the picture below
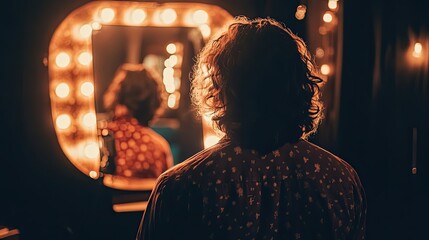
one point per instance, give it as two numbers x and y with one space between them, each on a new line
140 151
298 191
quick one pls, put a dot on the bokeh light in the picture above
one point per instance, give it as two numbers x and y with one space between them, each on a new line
171 48
91 150
168 16
327 17
87 88
107 15
62 60
89 120
325 69
85 58
63 121
62 90
200 17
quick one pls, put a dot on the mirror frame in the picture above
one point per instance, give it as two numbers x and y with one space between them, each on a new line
70 66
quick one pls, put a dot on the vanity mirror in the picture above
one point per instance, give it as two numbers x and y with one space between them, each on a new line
84 54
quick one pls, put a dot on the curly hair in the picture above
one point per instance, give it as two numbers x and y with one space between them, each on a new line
138 89
258 83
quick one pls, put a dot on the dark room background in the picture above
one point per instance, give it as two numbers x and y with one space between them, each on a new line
382 122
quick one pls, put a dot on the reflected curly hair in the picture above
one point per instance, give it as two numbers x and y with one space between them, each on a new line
138 88
258 83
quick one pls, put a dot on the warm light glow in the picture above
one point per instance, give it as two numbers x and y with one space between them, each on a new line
205 30
325 69
171 48
85 58
200 17
85 31
95 26
93 174
89 120
171 61
138 16
62 60
168 16
172 100
300 12
168 72
418 48
91 150
327 17
87 89
170 88
107 15
332 4
63 121
62 90
320 52
210 140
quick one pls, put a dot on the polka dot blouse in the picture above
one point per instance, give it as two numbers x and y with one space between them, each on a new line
299 191
140 151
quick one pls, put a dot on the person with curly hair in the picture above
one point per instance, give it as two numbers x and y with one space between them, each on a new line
135 98
263 180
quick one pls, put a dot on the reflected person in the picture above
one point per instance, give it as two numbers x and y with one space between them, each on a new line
135 98
263 180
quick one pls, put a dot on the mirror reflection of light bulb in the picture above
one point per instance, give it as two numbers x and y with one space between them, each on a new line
91 150
171 48
168 16
62 60
87 89
62 90
85 31
63 121
89 120
85 58
205 30
200 17
107 15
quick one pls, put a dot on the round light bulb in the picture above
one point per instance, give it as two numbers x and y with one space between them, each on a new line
91 150
137 16
85 58
327 17
171 102
93 174
63 121
325 69
85 31
89 120
95 26
62 60
168 16
171 48
200 17
87 89
62 90
107 15
332 4
168 72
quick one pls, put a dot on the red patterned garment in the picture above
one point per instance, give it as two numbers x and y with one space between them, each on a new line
140 151
298 191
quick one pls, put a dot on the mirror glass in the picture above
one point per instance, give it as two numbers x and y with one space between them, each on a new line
134 155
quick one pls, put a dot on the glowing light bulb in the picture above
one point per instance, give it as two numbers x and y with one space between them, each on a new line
89 120
93 174
91 150
327 17
62 60
325 69
205 30
62 90
87 89
168 16
171 61
300 12
418 48
170 88
171 48
200 17
137 16
320 52
171 102
168 72
107 15
95 26
210 140
63 121
85 58
332 4
85 31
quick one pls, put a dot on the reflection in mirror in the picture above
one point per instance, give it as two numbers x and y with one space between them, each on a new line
130 65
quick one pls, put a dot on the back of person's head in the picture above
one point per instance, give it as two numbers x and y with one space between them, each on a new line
259 82
138 89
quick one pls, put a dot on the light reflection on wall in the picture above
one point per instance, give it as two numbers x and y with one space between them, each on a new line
71 66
